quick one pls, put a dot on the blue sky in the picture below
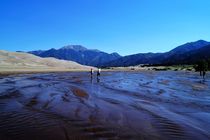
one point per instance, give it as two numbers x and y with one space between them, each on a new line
123 26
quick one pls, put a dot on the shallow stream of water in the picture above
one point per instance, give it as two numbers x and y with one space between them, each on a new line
119 105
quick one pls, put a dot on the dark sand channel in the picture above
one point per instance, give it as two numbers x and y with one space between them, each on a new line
144 105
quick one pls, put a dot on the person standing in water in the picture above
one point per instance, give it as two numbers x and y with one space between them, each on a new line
99 72
91 72
204 74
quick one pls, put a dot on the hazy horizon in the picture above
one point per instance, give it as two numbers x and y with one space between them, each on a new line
118 26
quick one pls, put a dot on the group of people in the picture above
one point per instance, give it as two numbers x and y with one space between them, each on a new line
98 72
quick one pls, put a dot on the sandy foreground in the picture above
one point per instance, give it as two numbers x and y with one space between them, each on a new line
141 105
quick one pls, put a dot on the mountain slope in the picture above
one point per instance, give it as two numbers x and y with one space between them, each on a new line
190 57
175 56
79 54
25 60
132 60
189 47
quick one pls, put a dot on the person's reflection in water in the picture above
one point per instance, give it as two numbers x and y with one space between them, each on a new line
91 79
98 79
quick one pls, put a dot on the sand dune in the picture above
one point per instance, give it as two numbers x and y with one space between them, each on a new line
19 61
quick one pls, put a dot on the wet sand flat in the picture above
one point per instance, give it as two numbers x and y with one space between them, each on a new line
144 105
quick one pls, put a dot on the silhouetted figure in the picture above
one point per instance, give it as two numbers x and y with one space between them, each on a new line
99 72
204 74
91 72
202 67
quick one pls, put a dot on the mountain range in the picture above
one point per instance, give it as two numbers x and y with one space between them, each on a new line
188 53
79 54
